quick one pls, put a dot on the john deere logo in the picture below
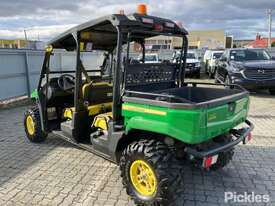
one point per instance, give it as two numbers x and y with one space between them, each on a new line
231 108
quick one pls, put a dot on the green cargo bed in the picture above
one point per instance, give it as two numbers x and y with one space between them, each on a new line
190 114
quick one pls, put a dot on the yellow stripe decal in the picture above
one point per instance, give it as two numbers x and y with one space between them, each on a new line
144 110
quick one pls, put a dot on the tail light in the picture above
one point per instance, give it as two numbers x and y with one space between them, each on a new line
158 27
249 136
209 161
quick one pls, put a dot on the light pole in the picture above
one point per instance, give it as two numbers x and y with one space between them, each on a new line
25 34
269 13
26 38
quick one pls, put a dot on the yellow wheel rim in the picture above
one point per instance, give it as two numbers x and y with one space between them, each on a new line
30 125
143 178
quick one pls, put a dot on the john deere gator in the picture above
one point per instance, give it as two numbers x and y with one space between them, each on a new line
143 117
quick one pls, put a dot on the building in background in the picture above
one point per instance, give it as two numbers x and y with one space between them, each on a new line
205 39
208 39
260 42
228 41
21 44
156 43
241 43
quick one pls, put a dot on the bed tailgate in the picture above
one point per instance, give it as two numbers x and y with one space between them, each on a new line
222 118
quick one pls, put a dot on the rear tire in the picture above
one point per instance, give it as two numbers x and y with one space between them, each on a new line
32 124
224 158
166 169
272 91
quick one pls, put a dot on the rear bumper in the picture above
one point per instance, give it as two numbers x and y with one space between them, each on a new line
251 83
240 136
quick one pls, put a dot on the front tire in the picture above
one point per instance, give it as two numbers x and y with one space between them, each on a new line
32 124
151 174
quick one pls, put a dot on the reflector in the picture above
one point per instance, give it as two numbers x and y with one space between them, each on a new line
158 27
249 136
208 161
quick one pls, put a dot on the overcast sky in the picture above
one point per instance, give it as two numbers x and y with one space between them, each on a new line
44 18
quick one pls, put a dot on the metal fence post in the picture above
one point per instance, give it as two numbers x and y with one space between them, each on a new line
27 73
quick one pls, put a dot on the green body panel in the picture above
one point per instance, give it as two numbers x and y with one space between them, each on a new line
34 94
189 126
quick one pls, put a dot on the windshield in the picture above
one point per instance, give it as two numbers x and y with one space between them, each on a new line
217 55
190 56
150 58
249 55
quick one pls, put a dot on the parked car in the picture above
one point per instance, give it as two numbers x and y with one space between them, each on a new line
250 68
193 64
150 58
212 62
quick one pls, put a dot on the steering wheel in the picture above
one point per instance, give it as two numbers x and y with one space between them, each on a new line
66 82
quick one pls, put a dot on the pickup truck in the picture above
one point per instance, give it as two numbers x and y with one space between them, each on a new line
193 63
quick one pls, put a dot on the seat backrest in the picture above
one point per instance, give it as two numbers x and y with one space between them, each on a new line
97 92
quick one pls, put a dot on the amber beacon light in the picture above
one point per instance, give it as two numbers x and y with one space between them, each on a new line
142 9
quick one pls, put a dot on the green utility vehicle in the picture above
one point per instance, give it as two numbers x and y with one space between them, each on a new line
142 116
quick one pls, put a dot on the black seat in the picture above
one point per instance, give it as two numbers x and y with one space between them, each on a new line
97 93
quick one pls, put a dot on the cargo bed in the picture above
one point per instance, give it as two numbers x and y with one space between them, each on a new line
193 113
192 95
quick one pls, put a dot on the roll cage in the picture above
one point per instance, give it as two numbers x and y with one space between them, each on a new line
109 33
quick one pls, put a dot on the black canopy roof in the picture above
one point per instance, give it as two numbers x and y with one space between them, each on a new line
102 32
